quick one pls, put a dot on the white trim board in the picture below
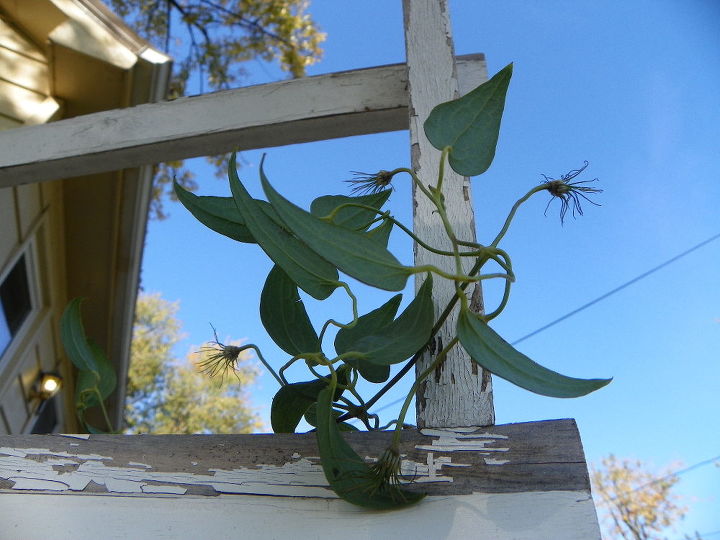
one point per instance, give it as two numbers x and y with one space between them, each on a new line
342 104
560 515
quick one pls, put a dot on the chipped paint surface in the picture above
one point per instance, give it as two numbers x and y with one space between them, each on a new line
466 440
39 469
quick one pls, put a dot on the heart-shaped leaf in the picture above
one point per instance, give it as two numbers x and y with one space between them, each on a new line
348 475
284 317
350 217
492 352
404 336
470 125
291 402
352 252
368 324
310 272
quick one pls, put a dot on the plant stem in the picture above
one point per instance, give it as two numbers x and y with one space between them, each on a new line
514 209
410 363
439 359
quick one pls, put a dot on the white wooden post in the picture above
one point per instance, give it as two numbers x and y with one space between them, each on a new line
460 393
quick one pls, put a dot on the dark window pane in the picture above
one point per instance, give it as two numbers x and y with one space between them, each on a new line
47 418
15 303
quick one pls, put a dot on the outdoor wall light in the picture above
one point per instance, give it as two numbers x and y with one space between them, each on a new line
46 386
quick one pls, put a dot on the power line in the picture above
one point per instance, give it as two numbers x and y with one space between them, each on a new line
662 478
678 473
598 299
617 289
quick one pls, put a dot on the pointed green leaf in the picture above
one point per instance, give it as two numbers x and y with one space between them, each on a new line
221 214
404 336
310 272
348 475
492 352
470 125
352 252
370 323
381 233
291 402
217 213
72 335
284 317
350 217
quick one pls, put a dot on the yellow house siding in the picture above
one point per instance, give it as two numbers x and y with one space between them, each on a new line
13 40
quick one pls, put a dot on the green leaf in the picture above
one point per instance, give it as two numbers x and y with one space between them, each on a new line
311 418
93 430
352 252
310 272
221 214
89 383
108 378
291 402
217 213
72 335
370 323
348 475
470 125
350 217
284 317
381 233
492 352
404 336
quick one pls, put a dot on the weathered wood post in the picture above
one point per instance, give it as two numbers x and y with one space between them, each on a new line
460 394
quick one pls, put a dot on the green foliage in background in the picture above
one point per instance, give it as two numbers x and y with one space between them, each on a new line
170 395
633 502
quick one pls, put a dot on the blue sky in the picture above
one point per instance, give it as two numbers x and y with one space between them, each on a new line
633 88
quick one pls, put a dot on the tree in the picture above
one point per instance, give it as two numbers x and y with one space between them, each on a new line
210 40
636 504
165 395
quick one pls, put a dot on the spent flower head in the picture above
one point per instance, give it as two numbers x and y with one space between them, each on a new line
366 183
219 359
569 192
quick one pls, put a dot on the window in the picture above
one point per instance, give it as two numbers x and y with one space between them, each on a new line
15 302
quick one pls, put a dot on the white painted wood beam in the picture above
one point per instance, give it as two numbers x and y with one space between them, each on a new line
460 392
342 104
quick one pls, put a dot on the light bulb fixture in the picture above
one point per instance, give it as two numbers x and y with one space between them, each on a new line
47 385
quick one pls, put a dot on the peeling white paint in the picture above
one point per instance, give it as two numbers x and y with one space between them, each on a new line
22 452
85 436
464 440
34 469
39 485
460 433
492 461
169 490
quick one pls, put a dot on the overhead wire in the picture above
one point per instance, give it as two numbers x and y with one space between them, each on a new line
598 299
